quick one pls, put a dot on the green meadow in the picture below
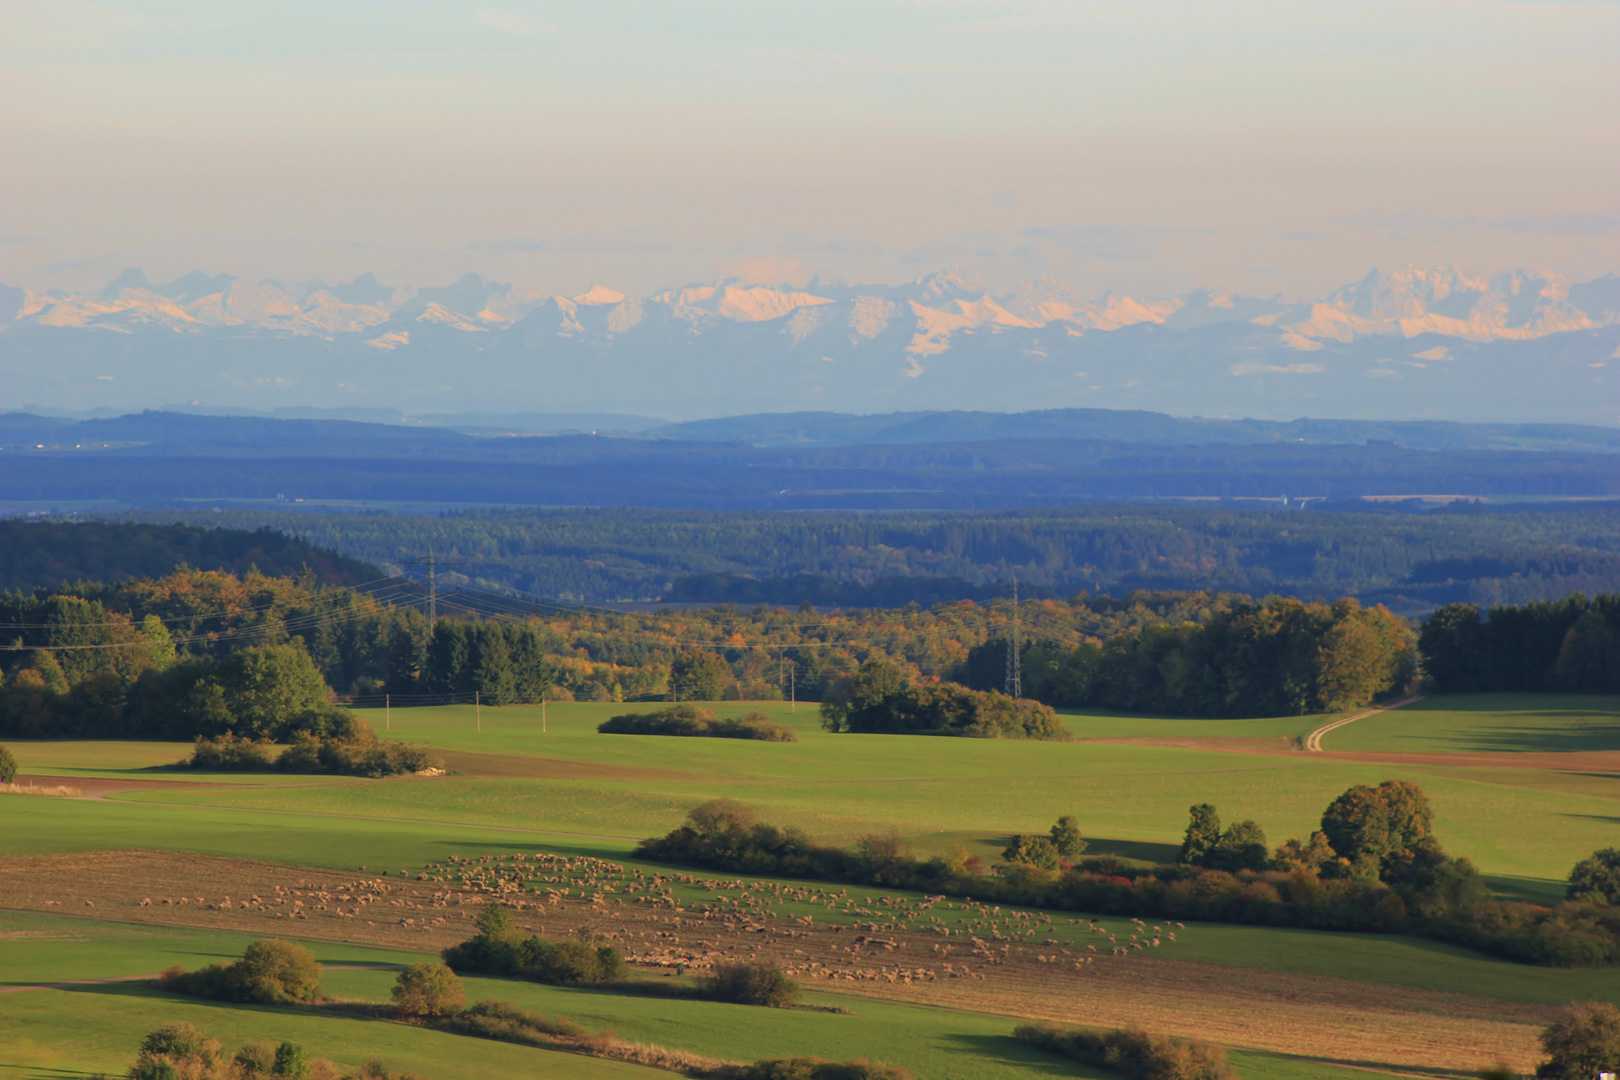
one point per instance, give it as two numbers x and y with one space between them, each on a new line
1131 798
525 782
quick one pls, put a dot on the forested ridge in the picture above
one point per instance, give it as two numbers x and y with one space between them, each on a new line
36 554
1410 561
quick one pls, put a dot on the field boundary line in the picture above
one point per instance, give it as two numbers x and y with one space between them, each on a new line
1313 741
69 983
387 820
216 930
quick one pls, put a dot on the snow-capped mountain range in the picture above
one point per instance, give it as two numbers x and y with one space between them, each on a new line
1410 343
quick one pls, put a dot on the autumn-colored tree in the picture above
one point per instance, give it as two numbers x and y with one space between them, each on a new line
1380 823
428 990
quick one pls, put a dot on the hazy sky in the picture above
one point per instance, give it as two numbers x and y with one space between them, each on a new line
1137 145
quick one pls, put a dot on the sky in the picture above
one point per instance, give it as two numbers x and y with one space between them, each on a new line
1141 146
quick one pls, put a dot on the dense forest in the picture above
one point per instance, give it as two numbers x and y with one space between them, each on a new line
1571 644
36 554
1409 561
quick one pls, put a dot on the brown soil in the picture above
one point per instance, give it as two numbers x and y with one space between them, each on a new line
1376 1025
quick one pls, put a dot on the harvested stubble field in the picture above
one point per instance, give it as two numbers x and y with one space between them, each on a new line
1011 969
1509 790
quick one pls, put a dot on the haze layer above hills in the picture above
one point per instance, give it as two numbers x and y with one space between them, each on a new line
1414 343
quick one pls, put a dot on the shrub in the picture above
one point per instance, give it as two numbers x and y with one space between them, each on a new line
690 720
571 962
497 949
1595 879
757 983
508 1023
1133 1052
230 753
8 766
356 753
428 990
1037 851
269 972
1583 1042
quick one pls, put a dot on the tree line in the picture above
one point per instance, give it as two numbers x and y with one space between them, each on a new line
1374 866
1571 644
174 656
1277 657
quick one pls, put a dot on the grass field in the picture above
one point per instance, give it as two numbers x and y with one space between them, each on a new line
937 791
1491 765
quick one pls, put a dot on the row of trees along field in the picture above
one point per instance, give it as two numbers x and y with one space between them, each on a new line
160 656
1374 866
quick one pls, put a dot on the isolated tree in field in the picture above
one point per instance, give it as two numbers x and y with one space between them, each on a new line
1203 833
1582 1043
1380 824
8 766
273 971
424 990
1595 879
761 982
1066 837
700 675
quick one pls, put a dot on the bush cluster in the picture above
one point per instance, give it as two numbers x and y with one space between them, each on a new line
506 1022
182 1052
428 990
690 720
8 766
881 699
1132 1052
1385 874
354 751
498 949
269 972
757 983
